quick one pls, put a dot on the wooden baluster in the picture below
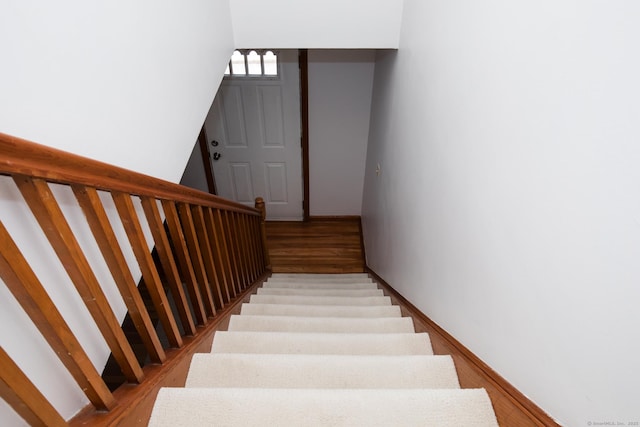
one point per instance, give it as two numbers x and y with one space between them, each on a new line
260 205
163 247
233 249
250 254
140 247
252 242
221 267
34 300
20 393
182 252
227 250
257 242
255 239
197 262
239 248
244 246
206 248
255 256
257 236
45 208
108 243
227 218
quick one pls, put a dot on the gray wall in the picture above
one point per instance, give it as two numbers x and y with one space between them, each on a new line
194 175
340 84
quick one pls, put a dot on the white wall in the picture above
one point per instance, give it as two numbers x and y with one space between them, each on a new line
128 83
353 24
507 208
340 84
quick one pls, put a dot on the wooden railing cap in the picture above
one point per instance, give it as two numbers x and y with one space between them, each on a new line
19 156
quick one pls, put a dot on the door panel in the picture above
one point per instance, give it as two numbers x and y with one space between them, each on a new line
257 124
241 182
233 109
276 180
270 99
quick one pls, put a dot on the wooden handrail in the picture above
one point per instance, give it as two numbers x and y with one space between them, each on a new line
208 252
19 156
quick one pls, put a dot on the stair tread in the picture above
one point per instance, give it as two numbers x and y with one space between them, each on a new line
317 285
319 300
312 407
322 292
321 350
310 279
321 343
324 324
320 310
321 371
319 275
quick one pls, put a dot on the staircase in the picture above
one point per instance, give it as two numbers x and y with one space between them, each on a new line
321 350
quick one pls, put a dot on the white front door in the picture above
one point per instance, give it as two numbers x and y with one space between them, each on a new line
255 122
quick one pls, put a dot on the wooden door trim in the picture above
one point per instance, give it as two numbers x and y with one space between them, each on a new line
303 63
203 141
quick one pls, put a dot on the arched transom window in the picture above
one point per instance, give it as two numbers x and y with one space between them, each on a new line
253 63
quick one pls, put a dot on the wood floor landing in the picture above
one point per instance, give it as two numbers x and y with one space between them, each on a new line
317 246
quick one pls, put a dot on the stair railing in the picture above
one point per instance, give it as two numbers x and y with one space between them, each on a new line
208 251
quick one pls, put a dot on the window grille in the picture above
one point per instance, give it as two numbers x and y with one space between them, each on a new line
253 63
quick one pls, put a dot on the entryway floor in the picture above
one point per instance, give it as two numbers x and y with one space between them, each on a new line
316 246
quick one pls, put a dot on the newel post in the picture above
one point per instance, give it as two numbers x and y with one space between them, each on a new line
263 230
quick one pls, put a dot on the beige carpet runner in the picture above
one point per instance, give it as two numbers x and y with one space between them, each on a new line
321 350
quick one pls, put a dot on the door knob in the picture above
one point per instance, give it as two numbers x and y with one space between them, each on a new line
216 156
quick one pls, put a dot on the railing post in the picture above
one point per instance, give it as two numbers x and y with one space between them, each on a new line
263 230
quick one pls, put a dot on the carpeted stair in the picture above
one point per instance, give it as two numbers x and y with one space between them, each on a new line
321 350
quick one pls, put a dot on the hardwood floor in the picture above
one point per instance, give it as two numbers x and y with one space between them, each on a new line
335 246
317 246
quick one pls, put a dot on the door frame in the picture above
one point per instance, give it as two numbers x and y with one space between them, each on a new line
203 141
303 65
